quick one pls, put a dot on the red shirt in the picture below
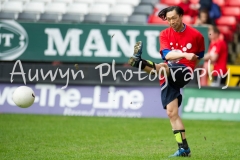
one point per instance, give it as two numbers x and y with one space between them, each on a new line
219 47
190 40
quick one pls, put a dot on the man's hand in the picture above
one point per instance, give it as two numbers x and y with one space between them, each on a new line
191 56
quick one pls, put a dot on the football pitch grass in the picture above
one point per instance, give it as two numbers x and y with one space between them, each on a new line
42 137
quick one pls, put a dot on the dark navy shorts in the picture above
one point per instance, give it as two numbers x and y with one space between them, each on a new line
172 90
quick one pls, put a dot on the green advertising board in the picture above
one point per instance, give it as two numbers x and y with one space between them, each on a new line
78 42
211 103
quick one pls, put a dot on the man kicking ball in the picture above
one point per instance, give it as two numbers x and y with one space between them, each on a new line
181 47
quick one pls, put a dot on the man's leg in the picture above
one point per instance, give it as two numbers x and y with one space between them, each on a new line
158 67
172 108
146 65
178 129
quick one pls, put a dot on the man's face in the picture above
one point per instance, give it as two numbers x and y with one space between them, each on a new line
211 34
203 17
174 20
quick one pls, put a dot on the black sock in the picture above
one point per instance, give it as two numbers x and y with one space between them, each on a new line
185 144
145 63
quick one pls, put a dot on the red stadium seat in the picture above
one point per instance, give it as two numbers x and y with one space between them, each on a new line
223 29
226 32
170 2
231 11
219 2
153 19
235 3
194 1
228 21
187 19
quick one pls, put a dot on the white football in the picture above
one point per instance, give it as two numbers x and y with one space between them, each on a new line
23 96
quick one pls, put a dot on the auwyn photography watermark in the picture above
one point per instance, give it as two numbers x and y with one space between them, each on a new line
161 75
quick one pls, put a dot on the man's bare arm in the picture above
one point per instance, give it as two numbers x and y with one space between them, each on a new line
172 55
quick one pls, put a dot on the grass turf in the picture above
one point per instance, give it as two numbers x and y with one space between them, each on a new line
90 138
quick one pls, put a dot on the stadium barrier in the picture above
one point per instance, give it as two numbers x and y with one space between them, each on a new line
88 43
76 100
211 103
68 74
234 75
89 74
207 103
